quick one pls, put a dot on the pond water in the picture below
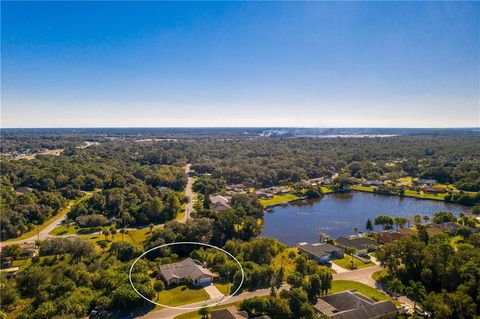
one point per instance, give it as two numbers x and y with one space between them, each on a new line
337 214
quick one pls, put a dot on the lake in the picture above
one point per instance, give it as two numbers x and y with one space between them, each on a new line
337 214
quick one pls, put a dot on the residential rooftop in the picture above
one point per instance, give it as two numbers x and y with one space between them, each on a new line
354 305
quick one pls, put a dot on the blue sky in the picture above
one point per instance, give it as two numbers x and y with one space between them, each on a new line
313 64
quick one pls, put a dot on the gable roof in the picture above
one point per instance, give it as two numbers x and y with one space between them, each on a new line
186 268
229 313
353 305
219 199
318 249
358 243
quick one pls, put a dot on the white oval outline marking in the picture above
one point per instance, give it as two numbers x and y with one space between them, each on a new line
187 308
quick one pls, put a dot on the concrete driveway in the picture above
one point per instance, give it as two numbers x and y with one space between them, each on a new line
212 291
338 269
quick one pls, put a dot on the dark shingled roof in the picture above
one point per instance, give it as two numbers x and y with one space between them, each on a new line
353 305
229 313
319 249
357 242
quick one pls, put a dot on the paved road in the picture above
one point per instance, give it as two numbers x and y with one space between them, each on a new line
44 234
338 268
172 313
363 275
189 194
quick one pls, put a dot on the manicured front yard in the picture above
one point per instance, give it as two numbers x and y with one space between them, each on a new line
278 199
224 288
379 274
346 262
182 295
342 285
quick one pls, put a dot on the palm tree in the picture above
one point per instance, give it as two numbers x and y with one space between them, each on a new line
106 232
395 286
204 311
151 227
103 245
158 286
369 225
418 220
415 291
122 231
113 231
355 229
426 219
351 251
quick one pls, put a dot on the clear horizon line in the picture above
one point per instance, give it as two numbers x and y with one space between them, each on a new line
247 127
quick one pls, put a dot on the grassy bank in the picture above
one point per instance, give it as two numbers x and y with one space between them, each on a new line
278 199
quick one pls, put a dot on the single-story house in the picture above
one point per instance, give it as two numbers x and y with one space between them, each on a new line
407 231
429 182
373 183
29 249
320 181
187 270
263 194
219 202
23 190
361 244
236 188
10 272
448 226
321 252
386 237
351 304
435 190
276 190
229 313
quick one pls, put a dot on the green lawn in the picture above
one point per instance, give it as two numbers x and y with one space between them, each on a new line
63 211
224 288
326 190
180 215
342 285
64 230
379 274
135 237
182 295
363 188
278 199
346 262
411 193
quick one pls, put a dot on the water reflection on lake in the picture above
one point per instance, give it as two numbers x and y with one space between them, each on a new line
337 214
